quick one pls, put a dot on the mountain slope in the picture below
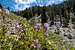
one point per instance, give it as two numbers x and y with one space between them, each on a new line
16 33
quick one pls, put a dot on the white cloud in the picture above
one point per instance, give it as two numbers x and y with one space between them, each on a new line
22 7
54 2
23 4
24 1
28 3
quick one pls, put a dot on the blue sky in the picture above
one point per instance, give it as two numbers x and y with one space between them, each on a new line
16 5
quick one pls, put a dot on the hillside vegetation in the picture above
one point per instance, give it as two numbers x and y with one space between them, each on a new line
16 33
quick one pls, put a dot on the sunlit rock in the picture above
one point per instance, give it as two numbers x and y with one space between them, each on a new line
6 11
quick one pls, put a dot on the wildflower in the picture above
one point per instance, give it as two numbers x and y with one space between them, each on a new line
37 44
17 25
37 26
46 26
